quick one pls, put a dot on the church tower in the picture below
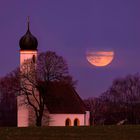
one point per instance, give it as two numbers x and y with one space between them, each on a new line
28 50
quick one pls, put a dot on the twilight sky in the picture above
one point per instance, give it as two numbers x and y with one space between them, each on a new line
71 28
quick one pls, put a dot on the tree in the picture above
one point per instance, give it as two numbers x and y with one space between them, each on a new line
8 104
37 77
120 102
32 80
95 105
123 99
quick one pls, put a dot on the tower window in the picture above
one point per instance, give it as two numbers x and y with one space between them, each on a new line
34 59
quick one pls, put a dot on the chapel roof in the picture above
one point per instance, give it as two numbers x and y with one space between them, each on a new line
63 99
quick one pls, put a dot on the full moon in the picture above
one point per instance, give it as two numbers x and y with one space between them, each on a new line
100 58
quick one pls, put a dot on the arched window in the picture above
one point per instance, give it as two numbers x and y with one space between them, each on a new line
68 122
33 59
76 122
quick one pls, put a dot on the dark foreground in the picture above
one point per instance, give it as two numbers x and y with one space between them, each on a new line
72 133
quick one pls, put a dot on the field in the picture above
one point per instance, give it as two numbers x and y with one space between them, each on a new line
72 133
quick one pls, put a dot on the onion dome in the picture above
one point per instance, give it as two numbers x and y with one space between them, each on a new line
28 41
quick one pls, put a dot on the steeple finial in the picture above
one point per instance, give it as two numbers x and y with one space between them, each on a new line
28 41
28 23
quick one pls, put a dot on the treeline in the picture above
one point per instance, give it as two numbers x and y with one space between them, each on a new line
120 104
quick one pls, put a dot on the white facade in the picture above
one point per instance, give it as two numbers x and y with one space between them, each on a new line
60 119
23 111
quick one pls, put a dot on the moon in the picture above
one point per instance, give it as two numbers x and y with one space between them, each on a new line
100 58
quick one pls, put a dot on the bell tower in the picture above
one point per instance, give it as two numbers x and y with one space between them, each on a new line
28 45
28 50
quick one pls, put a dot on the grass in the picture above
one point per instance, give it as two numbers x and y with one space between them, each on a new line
125 132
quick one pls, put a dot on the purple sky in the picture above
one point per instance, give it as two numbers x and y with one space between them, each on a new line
71 27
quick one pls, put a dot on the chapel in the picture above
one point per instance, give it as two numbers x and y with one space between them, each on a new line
64 105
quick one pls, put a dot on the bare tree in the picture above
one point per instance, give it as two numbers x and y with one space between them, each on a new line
120 103
8 105
123 99
97 109
31 82
37 77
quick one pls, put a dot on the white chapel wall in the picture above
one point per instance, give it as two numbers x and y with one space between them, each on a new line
59 119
